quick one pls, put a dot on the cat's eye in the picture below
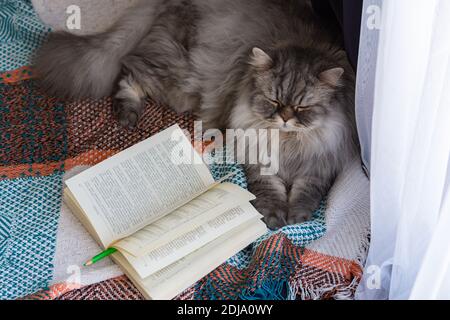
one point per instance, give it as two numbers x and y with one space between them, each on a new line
301 108
276 104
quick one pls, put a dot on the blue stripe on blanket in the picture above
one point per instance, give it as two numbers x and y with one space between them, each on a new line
21 32
29 212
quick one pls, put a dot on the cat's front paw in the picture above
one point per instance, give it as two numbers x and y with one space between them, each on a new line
275 218
275 222
128 112
298 215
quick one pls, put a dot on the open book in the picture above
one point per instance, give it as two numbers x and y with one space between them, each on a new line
170 221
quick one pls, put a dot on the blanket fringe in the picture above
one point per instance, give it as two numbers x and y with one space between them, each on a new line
310 292
269 290
283 290
337 292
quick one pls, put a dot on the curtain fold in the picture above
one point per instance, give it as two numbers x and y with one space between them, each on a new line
409 256
365 86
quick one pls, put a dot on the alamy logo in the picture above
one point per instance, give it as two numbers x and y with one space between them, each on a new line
73 21
74 279
245 147
374 17
373 281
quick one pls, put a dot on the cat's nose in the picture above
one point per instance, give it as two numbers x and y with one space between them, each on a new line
286 115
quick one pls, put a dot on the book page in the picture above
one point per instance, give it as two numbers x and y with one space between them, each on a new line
140 185
179 276
183 245
204 208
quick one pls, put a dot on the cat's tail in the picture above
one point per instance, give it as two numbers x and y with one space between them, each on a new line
72 66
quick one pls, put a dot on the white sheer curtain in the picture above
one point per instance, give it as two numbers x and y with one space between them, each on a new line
409 257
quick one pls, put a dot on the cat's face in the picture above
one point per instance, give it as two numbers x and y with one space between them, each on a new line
289 95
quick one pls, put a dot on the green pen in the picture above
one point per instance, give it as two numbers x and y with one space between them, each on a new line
100 256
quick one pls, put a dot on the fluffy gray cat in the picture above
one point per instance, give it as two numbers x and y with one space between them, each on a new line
236 64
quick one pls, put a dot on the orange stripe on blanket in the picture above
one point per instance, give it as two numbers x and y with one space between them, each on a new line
30 170
88 158
14 76
347 268
53 292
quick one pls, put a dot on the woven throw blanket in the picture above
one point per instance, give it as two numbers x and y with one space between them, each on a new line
44 141
20 32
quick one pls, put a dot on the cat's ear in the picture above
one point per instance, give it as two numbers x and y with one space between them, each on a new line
332 77
260 59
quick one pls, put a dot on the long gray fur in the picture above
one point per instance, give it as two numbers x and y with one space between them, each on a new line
199 56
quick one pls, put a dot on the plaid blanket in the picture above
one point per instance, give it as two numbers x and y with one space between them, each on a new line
44 140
